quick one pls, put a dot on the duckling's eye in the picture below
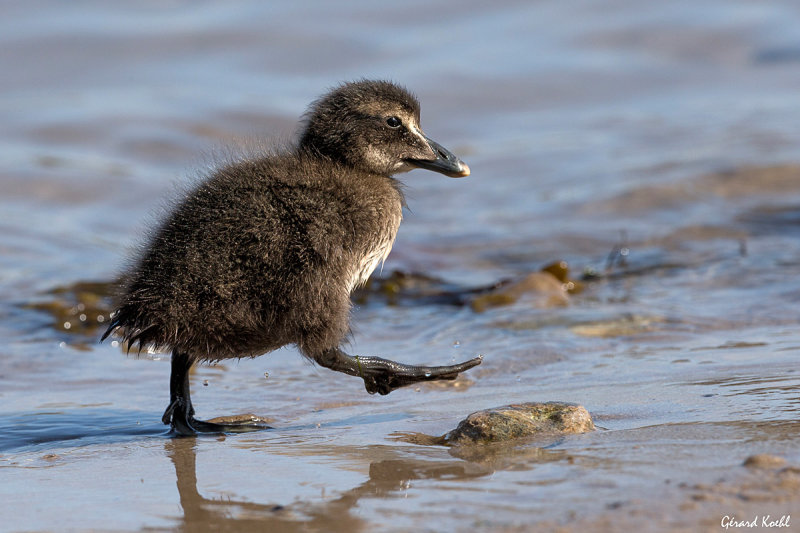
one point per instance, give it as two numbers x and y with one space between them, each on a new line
394 122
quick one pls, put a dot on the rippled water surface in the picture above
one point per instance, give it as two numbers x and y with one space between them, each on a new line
655 148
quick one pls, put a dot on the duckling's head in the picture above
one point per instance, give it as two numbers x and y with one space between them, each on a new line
374 126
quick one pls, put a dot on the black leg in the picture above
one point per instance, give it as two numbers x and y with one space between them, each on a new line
180 413
383 376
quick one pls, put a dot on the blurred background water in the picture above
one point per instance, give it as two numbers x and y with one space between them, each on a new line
664 132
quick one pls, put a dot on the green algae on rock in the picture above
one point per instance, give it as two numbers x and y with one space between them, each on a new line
520 420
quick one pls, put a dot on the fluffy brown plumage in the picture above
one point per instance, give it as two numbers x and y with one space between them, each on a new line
266 251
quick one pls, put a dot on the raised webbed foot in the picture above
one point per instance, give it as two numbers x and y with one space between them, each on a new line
384 376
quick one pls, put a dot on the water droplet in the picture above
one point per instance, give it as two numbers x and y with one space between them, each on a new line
100 319
114 343
67 325
266 375
82 317
427 374
456 344
205 383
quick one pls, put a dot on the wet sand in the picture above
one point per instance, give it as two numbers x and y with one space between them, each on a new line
652 148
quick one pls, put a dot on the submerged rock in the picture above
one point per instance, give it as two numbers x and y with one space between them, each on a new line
520 420
76 311
624 326
81 307
764 460
410 288
550 287
544 287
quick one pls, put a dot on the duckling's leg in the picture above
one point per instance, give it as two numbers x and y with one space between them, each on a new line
180 412
383 376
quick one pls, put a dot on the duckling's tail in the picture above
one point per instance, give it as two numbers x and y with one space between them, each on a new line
115 323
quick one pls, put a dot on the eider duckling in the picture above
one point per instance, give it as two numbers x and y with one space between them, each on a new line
266 251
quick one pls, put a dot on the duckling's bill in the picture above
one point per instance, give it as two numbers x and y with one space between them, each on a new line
445 163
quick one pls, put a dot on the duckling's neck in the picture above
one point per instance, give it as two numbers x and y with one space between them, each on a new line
313 151
327 146
341 148
349 163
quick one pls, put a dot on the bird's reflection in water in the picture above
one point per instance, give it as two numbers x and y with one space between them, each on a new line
226 514
385 478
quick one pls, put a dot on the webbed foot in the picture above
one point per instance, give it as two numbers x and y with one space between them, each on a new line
184 424
384 376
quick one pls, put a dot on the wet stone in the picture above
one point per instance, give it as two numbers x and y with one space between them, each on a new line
521 420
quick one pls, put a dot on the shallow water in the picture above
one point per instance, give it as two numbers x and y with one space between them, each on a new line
668 133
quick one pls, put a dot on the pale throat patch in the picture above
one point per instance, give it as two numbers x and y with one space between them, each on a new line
376 256
370 262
